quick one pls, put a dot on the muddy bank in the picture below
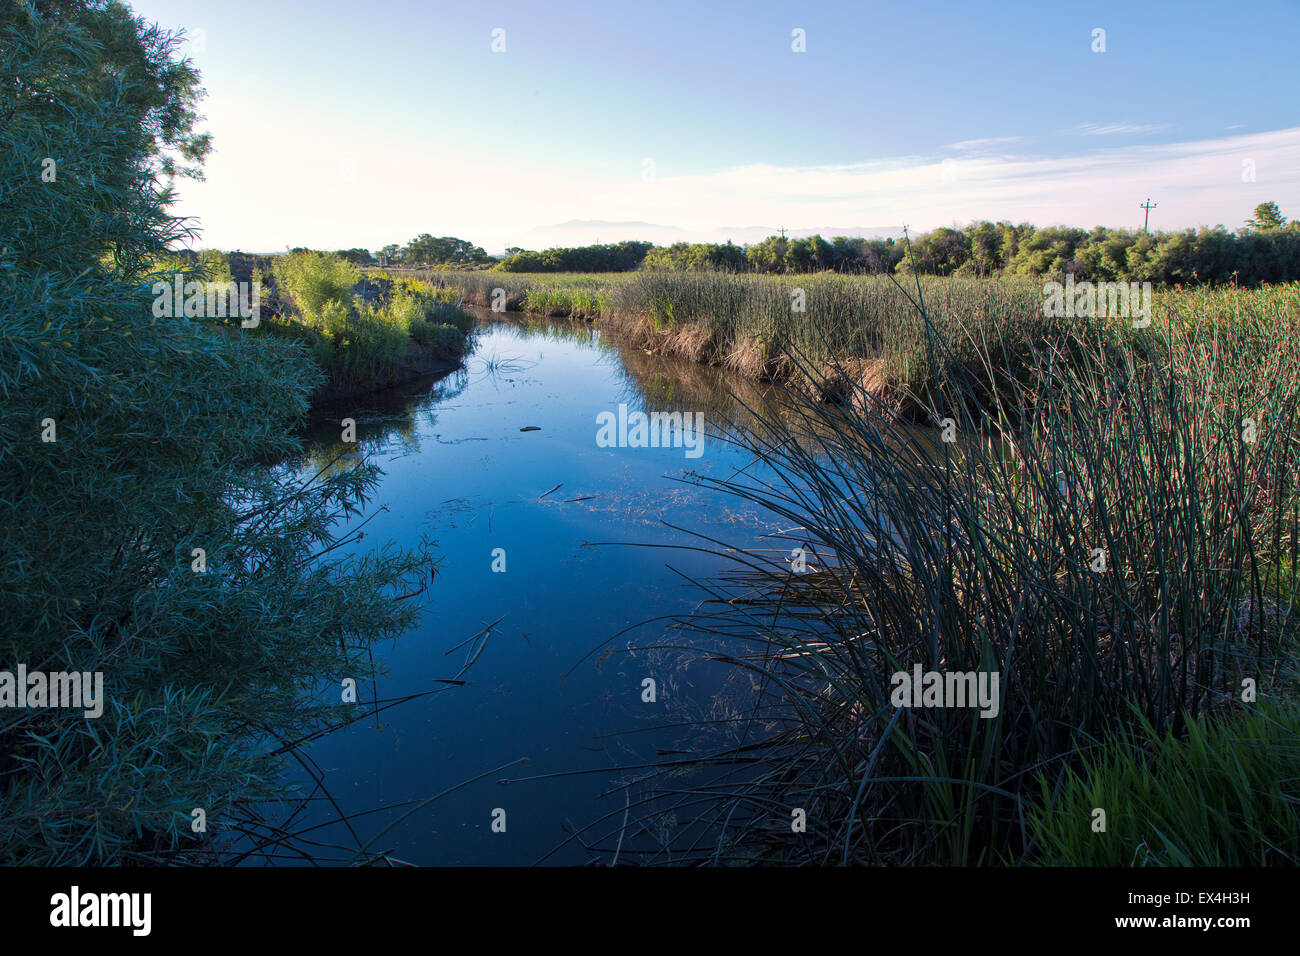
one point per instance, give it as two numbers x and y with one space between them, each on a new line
856 381
419 362
850 380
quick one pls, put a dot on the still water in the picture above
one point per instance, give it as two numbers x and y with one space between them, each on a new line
577 525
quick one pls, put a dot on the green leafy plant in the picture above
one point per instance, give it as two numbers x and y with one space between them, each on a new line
132 446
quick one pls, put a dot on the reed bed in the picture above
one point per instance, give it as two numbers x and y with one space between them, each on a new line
1103 533
866 329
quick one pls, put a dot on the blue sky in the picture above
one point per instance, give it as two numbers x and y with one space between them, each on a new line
341 124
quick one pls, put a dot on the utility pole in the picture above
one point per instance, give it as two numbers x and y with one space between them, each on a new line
1148 206
782 232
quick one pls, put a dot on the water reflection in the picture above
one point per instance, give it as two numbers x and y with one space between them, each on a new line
542 583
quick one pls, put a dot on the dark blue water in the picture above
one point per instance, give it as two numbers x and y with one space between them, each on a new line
459 471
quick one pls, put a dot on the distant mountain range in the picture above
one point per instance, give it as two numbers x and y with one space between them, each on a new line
584 232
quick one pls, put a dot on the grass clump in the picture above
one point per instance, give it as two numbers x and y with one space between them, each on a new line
1227 793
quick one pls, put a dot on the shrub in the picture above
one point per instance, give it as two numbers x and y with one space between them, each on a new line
314 280
164 439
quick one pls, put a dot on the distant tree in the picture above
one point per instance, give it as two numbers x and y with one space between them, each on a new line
1012 236
361 257
1268 250
821 253
941 252
523 261
1267 216
847 253
800 256
701 255
768 255
883 255
1139 258
425 250
608 257
985 247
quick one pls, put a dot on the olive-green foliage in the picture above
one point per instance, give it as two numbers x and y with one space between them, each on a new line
699 256
165 433
608 257
425 250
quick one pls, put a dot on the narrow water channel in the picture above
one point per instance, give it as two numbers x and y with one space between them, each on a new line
575 523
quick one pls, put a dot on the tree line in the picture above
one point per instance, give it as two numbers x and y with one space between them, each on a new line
1265 249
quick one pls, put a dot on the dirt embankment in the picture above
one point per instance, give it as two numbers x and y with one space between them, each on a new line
853 380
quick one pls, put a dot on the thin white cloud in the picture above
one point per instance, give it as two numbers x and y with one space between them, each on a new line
1113 129
969 145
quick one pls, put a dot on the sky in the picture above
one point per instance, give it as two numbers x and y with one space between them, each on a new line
341 124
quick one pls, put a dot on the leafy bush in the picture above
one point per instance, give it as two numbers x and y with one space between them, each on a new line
357 341
314 280
127 444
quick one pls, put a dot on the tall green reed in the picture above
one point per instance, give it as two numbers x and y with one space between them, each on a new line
1100 533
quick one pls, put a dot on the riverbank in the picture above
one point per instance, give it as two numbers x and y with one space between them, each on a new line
419 362
844 338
